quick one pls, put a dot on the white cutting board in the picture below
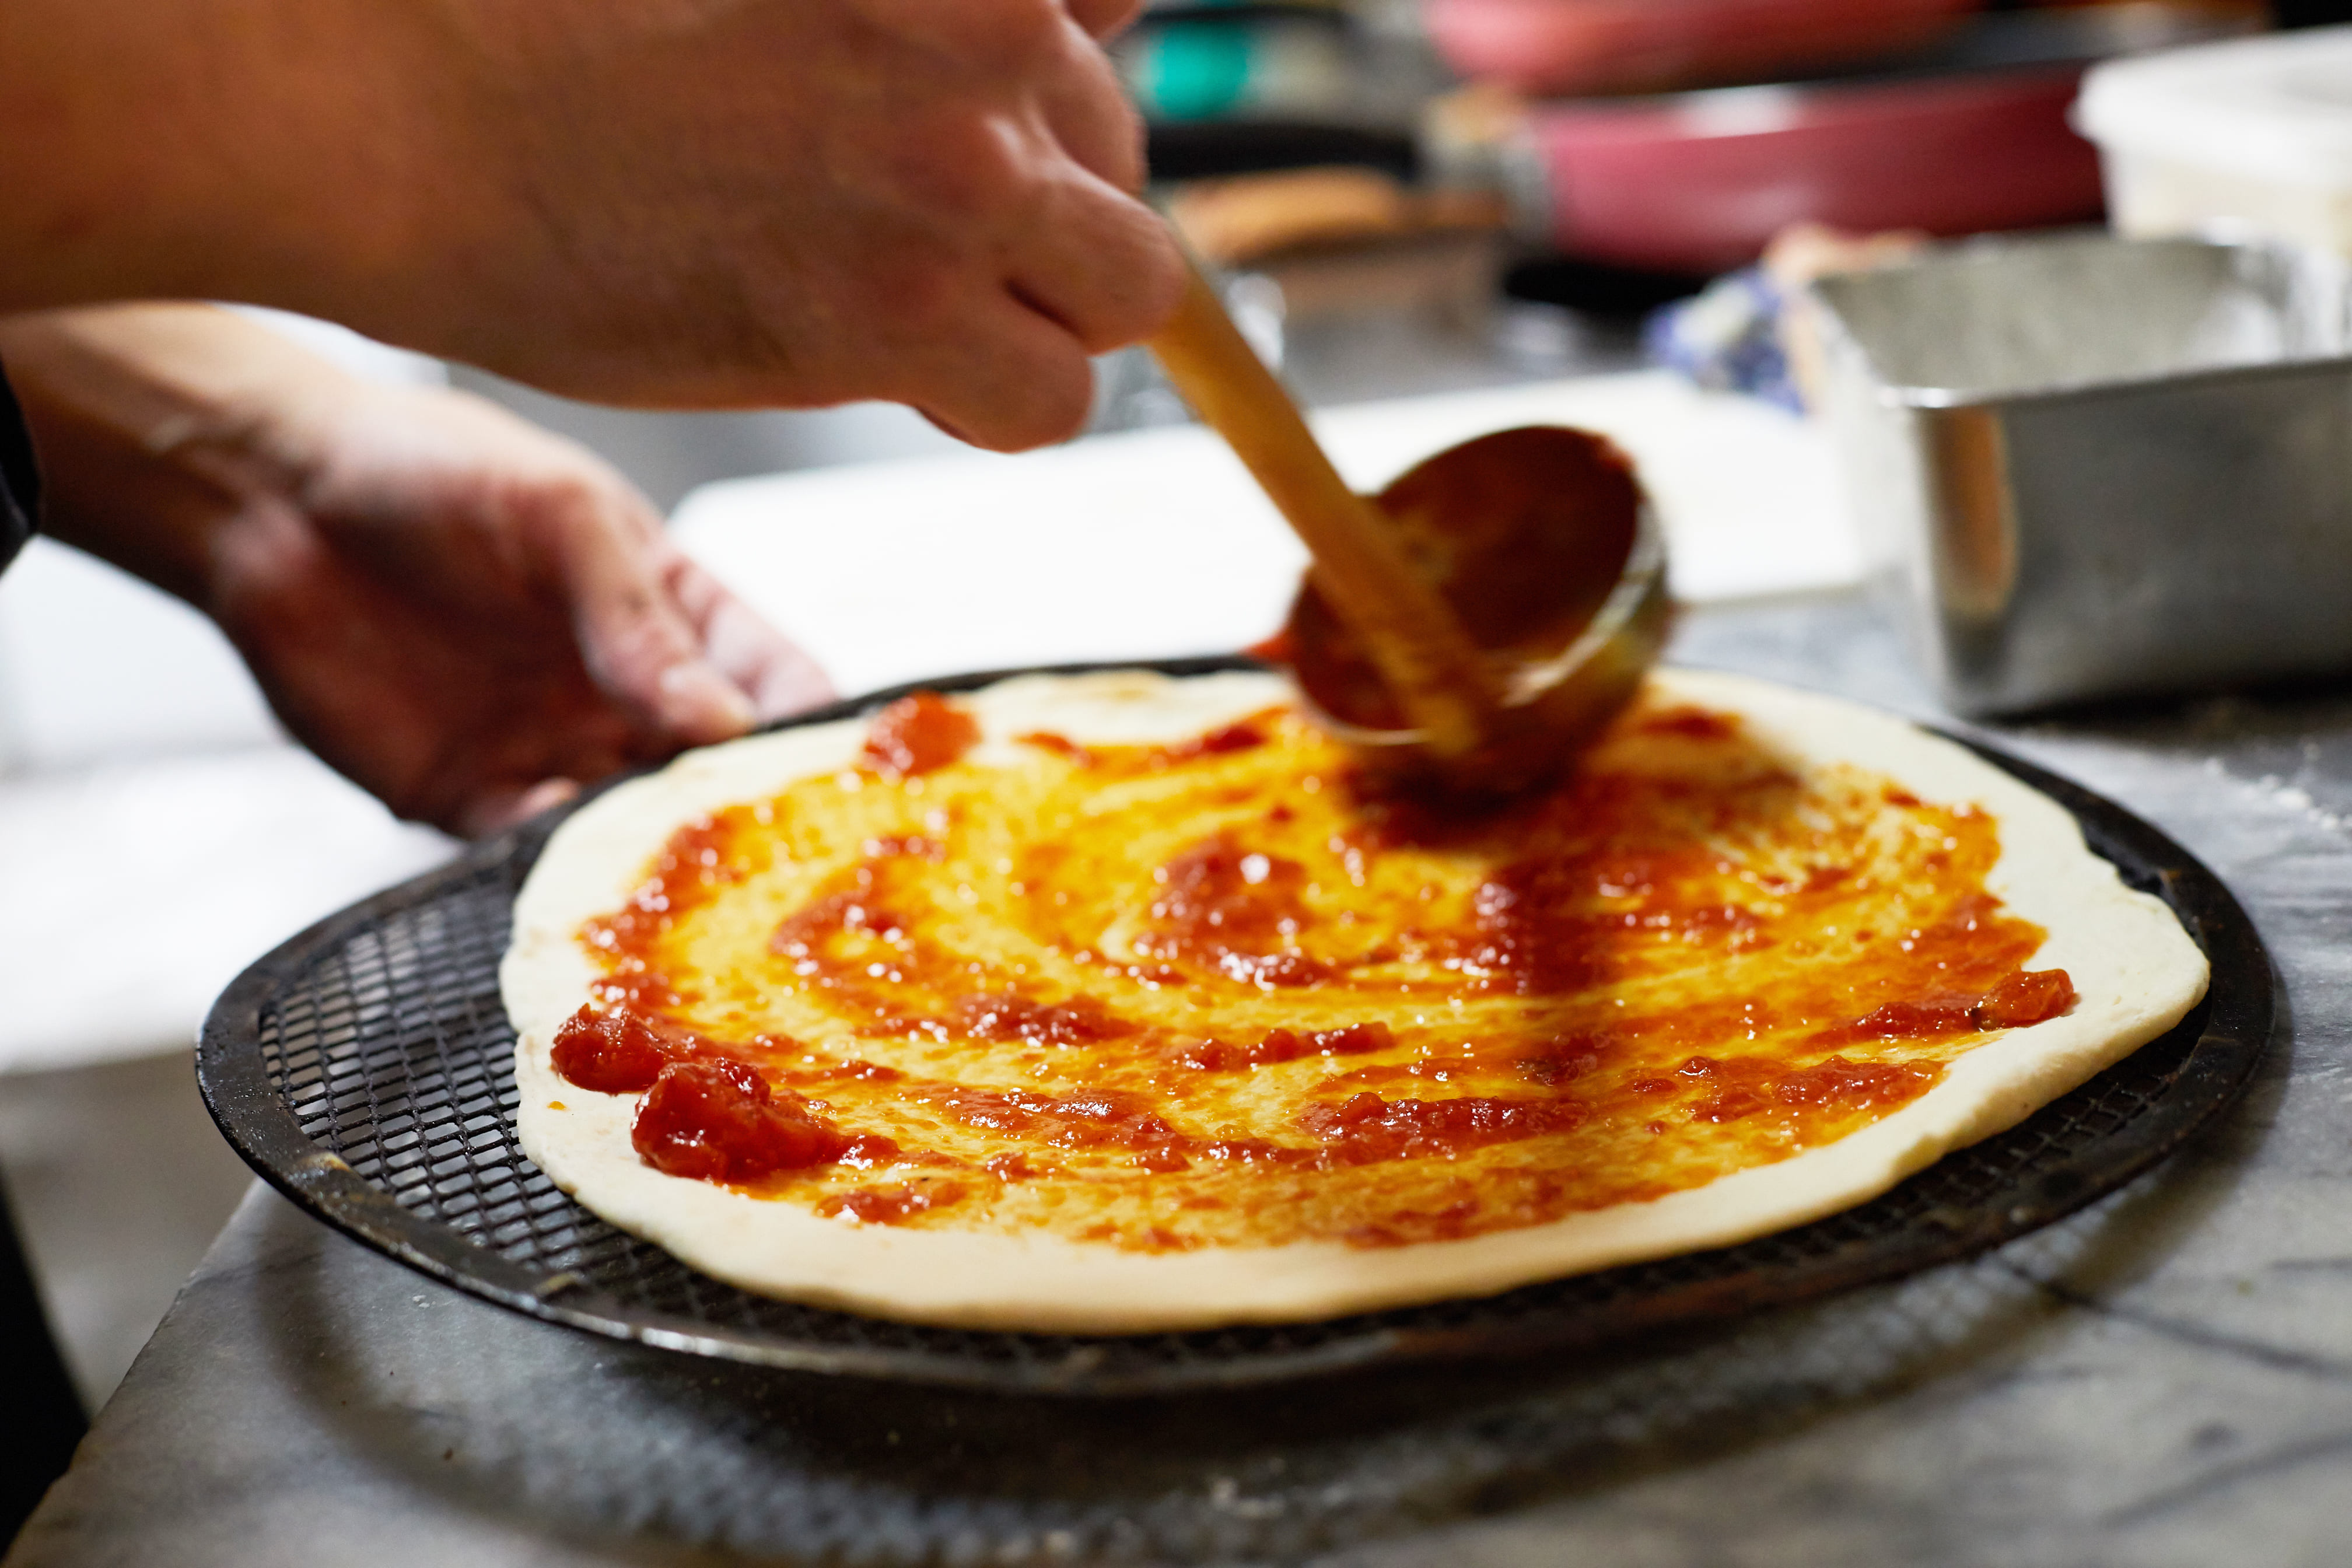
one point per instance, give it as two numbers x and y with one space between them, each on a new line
1158 544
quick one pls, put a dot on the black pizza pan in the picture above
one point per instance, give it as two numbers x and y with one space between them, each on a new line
365 1069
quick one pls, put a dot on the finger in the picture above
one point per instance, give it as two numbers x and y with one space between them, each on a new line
737 641
790 685
695 704
537 737
639 643
1014 379
1088 112
1099 264
1090 254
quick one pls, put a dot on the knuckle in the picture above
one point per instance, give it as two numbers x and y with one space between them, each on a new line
958 167
918 292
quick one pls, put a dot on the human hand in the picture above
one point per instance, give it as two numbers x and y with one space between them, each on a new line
691 204
471 617
467 615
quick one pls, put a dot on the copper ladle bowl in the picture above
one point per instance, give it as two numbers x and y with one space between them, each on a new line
1474 623
1540 542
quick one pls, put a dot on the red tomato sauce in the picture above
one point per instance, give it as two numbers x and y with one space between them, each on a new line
1218 992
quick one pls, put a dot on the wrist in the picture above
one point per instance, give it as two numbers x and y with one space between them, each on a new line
165 430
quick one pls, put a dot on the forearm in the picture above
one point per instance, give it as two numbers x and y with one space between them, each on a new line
157 425
455 609
686 203
210 149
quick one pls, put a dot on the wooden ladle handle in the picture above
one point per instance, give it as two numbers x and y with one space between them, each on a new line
1397 616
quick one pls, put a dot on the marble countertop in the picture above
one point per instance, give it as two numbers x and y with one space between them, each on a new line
2164 1379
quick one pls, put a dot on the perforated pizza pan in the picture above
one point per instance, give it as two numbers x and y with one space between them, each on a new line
365 1068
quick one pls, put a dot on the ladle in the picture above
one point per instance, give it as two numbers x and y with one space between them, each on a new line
1480 620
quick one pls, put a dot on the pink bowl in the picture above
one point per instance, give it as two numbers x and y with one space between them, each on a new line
1699 182
1618 46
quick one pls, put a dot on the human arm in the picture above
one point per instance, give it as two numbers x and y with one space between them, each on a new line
693 203
464 614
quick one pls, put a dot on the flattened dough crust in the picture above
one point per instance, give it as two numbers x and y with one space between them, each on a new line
2135 970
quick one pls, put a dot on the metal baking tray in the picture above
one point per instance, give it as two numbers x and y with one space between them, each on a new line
365 1069
2087 466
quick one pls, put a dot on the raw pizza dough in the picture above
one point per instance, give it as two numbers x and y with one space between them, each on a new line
2135 970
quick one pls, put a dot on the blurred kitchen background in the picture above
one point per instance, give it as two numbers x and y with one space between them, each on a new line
1409 199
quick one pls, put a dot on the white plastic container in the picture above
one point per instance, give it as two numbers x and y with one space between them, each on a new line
2254 132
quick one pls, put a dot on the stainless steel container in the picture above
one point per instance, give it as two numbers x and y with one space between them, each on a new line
2087 466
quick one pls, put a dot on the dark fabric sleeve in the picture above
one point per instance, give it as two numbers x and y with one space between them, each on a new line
44 1415
20 480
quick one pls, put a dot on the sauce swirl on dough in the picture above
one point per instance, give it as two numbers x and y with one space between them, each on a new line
1213 994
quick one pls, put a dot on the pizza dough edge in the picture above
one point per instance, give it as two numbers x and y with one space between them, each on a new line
2135 969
